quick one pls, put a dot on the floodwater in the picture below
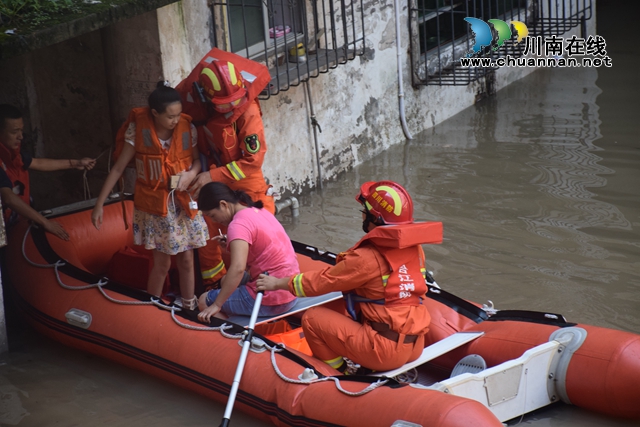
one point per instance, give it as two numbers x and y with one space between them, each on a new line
538 192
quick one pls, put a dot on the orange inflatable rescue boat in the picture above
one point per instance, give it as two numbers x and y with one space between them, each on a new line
480 366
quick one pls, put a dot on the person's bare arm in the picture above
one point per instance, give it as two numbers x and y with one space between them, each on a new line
10 200
239 250
187 177
48 165
127 154
270 283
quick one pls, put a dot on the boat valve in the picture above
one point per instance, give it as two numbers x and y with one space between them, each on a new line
308 375
257 345
79 318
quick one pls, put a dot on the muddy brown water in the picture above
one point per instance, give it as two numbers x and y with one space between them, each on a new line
538 192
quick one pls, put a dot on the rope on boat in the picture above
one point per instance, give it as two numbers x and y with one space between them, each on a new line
24 254
61 263
222 328
279 347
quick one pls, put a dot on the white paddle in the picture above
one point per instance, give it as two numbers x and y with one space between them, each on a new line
243 359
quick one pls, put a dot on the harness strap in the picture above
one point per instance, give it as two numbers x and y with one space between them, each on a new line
351 298
384 330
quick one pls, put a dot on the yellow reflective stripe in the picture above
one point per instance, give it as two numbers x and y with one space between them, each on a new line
232 73
235 170
384 280
335 363
424 273
208 274
297 285
212 76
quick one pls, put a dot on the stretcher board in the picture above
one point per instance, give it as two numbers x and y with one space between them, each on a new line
431 352
301 305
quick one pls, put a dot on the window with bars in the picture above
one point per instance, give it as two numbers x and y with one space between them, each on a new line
440 36
296 39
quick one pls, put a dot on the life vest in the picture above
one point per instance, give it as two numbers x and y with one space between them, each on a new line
19 177
155 166
255 75
399 245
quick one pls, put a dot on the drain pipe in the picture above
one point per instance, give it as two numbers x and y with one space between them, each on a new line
290 202
315 125
405 129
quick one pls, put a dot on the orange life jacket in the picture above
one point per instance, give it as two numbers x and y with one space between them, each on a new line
155 166
405 283
19 177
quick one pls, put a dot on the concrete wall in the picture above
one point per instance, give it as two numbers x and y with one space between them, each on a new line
186 35
62 93
74 96
133 63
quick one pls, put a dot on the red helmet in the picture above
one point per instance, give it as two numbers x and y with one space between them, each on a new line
387 201
223 85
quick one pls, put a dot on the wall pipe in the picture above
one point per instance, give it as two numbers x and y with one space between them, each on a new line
291 202
405 129
315 125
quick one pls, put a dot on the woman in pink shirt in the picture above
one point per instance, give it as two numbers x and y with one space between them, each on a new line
257 243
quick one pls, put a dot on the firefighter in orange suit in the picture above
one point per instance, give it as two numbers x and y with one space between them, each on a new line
221 96
383 281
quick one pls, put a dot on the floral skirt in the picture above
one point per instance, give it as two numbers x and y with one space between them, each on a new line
172 234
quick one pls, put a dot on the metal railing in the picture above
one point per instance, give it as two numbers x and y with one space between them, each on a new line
440 36
297 40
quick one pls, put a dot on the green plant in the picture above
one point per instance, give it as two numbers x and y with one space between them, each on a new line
33 12
10 9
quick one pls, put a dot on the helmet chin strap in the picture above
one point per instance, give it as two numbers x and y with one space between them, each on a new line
368 219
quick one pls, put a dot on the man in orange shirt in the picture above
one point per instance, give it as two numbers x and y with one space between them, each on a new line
383 281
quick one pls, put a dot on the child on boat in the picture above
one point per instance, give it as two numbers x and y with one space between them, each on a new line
257 243
165 220
383 280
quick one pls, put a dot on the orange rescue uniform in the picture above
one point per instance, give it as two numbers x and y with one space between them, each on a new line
233 144
235 153
365 269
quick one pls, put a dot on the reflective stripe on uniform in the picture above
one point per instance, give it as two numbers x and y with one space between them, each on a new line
297 285
208 274
335 363
424 273
384 280
235 170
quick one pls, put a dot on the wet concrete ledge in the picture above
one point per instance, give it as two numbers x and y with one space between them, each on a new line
92 18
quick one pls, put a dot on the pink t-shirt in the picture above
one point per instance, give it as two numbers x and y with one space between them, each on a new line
270 250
